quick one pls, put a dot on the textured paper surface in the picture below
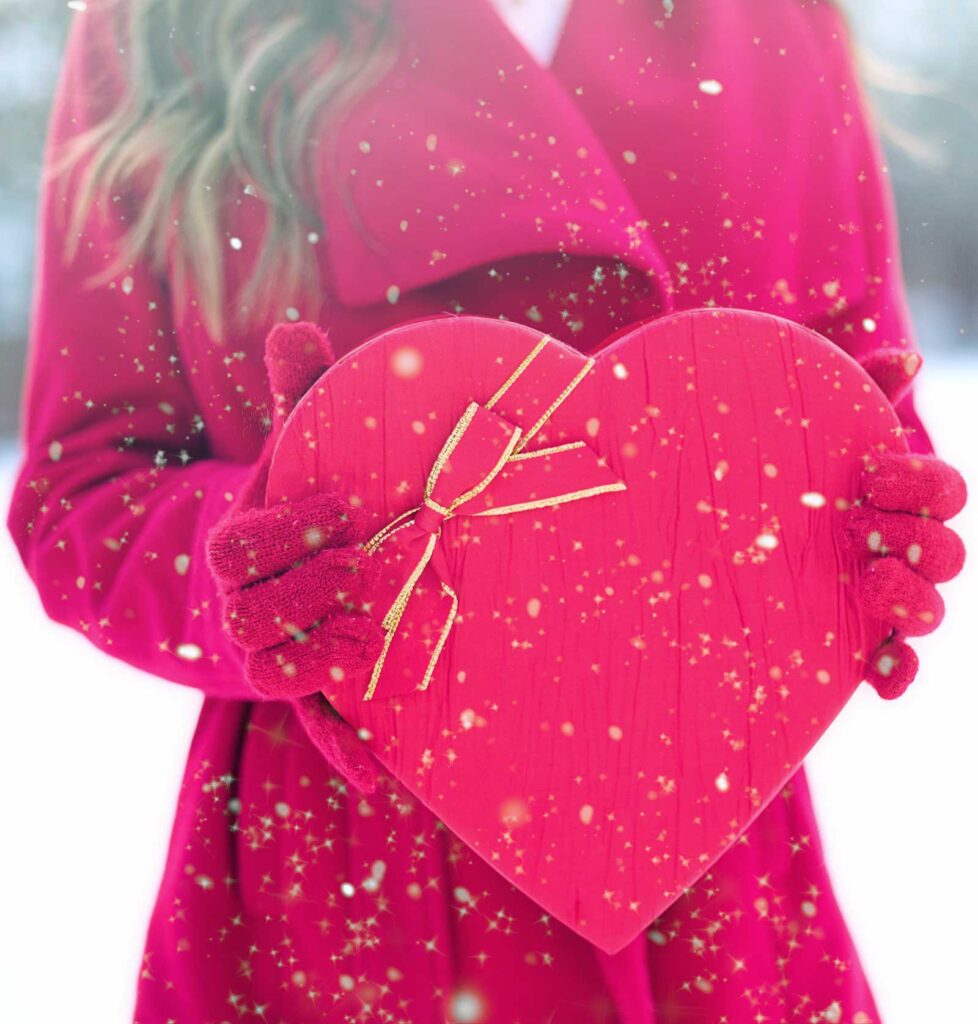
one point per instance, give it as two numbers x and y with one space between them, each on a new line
628 678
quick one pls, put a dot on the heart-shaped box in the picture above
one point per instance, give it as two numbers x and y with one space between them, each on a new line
618 611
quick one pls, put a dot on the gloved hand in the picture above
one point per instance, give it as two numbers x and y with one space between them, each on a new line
296 579
898 528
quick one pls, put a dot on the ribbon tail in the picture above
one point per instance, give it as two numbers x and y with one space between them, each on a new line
554 499
544 478
442 636
395 613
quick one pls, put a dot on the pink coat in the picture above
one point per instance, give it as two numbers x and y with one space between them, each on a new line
714 153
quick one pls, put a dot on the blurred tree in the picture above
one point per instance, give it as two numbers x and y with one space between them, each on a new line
31 39
918 58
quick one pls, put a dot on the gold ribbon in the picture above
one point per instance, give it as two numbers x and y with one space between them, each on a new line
428 517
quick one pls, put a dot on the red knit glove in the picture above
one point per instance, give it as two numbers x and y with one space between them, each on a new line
296 579
898 527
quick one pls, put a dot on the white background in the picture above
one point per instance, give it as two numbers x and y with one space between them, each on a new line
92 755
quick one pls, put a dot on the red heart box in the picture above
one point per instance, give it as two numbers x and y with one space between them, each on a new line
619 614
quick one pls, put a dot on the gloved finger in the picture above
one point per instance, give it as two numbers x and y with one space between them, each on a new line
921 484
896 595
257 543
892 668
339 647
926 545
296 355
287 606
893 369
338 742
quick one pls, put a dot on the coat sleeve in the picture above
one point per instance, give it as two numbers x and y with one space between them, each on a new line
873 311
116 491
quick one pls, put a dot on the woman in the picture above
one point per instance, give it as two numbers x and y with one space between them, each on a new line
252 162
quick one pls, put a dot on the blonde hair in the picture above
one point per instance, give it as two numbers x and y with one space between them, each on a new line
225 87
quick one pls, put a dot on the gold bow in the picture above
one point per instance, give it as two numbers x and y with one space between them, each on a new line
483 449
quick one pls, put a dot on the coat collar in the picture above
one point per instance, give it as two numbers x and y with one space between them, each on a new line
468 152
